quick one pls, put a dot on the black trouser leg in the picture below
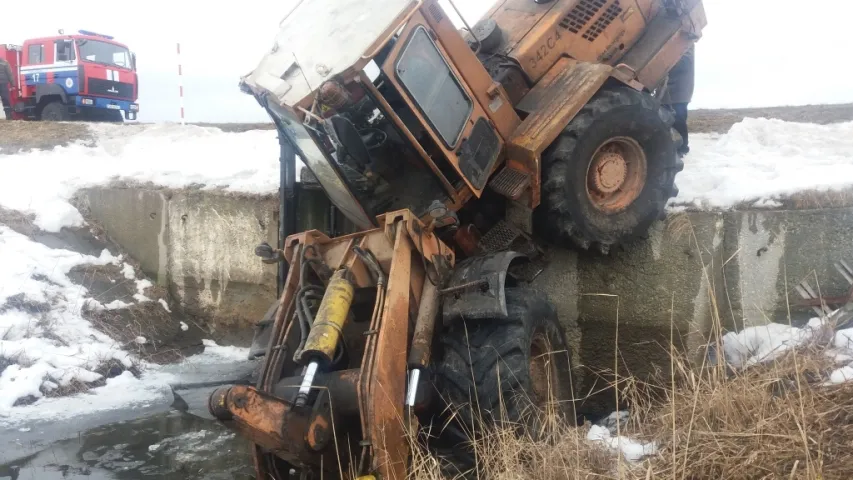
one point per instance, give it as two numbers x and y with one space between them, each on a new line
4 98
680 125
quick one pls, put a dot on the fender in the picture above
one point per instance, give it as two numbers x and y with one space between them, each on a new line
486 300
43 90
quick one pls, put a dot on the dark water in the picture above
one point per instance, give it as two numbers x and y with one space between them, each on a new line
156 440
165 445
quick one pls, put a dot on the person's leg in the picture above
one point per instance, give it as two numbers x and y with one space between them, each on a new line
4 99
680 125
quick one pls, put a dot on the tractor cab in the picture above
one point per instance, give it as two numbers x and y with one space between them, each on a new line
381 116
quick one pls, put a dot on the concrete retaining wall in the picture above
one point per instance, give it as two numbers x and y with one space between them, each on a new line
695 269
200 245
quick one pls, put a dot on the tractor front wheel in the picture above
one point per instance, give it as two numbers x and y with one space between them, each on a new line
504 372
609 175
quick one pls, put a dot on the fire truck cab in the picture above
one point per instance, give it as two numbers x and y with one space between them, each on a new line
85 76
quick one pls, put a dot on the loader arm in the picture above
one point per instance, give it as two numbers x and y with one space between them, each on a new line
357 403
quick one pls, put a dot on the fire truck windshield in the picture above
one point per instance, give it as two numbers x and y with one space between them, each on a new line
104 53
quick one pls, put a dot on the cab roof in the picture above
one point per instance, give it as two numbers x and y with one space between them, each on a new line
322 38
74 36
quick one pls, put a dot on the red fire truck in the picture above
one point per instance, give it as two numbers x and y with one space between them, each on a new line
85 76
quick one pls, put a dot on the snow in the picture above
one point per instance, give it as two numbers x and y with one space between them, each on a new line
173 156
116 305
214 352
164 304
128 271
763 160
764 343
54 345
150 388
841 375
631 449
184 327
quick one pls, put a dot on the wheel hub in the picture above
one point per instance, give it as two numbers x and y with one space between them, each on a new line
609 172
616 174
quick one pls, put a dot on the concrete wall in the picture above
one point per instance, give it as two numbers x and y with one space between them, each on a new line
199 244
696 269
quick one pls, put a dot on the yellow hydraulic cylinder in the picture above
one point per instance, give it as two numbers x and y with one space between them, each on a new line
328 325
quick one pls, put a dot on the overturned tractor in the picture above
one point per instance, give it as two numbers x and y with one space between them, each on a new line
458 155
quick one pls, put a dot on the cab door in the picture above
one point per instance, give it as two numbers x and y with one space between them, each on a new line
433 88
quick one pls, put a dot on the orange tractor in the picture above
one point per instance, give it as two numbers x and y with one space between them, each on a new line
459 155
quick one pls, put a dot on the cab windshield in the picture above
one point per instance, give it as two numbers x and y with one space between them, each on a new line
104 53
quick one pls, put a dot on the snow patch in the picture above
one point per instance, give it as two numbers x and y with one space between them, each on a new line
764 343
128 271
116 305
217 353
631 449
53 347
164 304
763 160
41 182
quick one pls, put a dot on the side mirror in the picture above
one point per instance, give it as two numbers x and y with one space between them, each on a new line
133 61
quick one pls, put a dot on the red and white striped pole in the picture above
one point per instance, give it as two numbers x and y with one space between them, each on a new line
181 83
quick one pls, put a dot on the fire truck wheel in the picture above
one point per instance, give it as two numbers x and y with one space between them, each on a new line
54 111
113 116
609 175
504 372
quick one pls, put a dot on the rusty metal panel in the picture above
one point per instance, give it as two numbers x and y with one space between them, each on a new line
586 30
388 382
552 104
518 17
654 70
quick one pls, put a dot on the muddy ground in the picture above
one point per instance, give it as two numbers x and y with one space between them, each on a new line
17 136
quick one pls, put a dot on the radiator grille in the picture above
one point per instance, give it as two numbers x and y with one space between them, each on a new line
613 11
581 15
436 13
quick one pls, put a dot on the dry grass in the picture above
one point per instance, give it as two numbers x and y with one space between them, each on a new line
777 420
814 199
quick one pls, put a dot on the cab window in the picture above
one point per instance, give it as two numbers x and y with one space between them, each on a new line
35 54
65 51
432 85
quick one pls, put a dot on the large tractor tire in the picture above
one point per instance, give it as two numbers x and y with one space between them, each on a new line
493 371
609 175
54 111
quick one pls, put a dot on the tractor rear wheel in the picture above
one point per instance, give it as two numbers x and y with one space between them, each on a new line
609 175
54 111
493 371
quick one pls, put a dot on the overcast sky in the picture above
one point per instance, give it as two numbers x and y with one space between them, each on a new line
754 52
